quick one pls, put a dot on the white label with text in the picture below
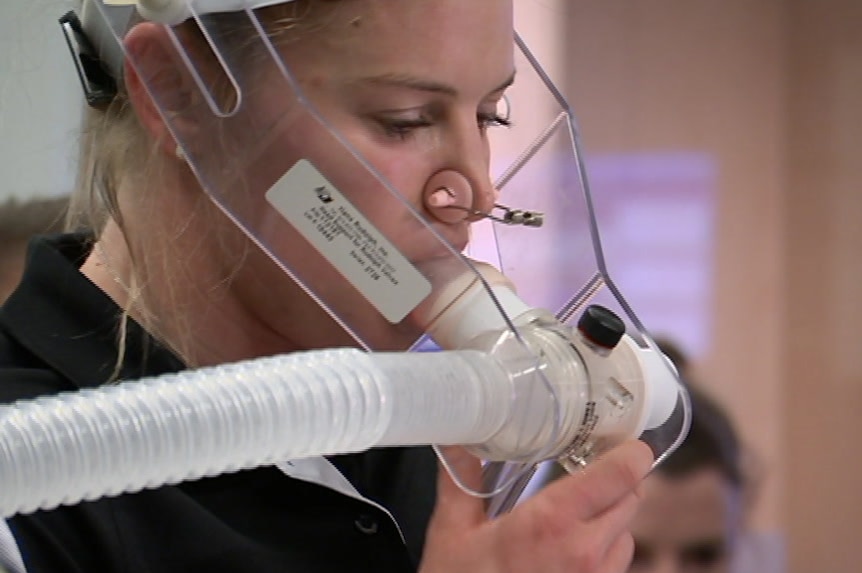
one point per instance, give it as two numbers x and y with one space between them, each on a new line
349 241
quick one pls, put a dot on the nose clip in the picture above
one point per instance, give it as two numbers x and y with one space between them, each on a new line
515 216
449 197
509 217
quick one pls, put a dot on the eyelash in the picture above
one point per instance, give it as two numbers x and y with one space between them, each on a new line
494 120
404 129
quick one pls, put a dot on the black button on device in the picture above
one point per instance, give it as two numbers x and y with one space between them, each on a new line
601 326
366 524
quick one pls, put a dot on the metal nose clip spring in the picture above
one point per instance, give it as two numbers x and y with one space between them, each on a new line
509 217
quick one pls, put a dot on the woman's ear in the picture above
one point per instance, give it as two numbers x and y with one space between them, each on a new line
157 79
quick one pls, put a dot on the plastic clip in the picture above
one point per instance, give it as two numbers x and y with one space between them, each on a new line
99 87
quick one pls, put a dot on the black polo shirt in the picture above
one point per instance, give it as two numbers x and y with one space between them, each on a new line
58 332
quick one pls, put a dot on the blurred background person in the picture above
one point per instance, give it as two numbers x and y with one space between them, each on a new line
694 504
693 516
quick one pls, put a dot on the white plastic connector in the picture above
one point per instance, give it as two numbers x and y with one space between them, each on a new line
463 310
660 388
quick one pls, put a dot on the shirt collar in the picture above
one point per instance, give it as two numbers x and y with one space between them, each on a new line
71 324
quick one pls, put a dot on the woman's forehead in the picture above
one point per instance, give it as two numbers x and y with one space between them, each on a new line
455 40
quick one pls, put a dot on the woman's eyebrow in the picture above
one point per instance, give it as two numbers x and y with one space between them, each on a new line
421 84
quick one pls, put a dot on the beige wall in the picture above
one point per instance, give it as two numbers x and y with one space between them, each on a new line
40 101
705 76
772 89
823 301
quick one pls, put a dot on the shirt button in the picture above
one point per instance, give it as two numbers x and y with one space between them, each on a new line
366 524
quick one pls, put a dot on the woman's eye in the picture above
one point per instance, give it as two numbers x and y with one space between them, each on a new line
493 120
403 128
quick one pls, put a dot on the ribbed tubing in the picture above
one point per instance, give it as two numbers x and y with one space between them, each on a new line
102 442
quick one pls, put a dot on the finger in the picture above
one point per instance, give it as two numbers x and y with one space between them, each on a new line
619 556
604 482
616 520
454 507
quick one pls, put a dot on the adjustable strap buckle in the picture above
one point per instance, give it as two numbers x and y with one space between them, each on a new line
99 87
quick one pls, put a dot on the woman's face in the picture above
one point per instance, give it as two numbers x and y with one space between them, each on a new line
413 87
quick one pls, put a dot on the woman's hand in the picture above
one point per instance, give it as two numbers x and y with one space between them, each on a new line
578 524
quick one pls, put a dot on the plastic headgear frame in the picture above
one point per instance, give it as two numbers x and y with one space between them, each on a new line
288 177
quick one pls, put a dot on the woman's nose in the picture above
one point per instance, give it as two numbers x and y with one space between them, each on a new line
450 197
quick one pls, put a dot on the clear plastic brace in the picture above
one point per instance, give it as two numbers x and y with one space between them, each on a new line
547 176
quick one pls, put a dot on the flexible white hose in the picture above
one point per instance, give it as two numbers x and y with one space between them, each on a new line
80 446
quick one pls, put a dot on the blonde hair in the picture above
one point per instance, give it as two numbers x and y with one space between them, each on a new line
115 147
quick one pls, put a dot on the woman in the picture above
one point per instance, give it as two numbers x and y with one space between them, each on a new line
185 181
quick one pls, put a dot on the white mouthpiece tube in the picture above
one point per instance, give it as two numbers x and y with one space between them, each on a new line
603 395
119 439
114 439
